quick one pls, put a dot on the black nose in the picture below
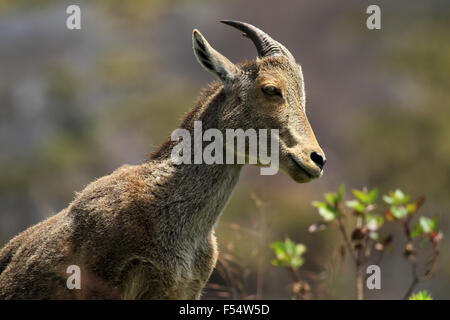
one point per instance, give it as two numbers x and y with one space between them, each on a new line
318 159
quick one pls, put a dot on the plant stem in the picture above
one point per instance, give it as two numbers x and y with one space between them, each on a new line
359 261
411 288
425 274
294 274
360 282
346 240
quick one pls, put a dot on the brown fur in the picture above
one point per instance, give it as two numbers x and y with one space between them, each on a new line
147 231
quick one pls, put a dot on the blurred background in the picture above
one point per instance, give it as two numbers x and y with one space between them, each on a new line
75 105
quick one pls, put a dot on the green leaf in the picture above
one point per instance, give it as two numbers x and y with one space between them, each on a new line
300 249
414 206
361 196
400 197
318 204
380 220
279 249
374 222
326 211
399 194
388 199
421 295
426 224
290 247
277 263
417 231
297 262
331 198
277 246
435 224
355 204
399 212
373 195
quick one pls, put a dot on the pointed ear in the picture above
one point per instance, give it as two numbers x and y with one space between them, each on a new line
212 60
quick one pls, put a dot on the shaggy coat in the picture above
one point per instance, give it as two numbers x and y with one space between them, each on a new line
147 231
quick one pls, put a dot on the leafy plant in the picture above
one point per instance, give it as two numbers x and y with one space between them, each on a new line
366 240
421 295
368 221
290 255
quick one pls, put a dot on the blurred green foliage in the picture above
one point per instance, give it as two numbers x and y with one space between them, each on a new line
421 295
288 253
364 241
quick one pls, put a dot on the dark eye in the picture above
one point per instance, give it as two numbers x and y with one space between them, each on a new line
272 91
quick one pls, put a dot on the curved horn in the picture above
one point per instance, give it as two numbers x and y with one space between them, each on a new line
265 45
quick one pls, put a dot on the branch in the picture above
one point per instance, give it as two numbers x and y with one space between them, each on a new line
346 240
431 264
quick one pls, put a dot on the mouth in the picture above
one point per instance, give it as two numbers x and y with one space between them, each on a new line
300 166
